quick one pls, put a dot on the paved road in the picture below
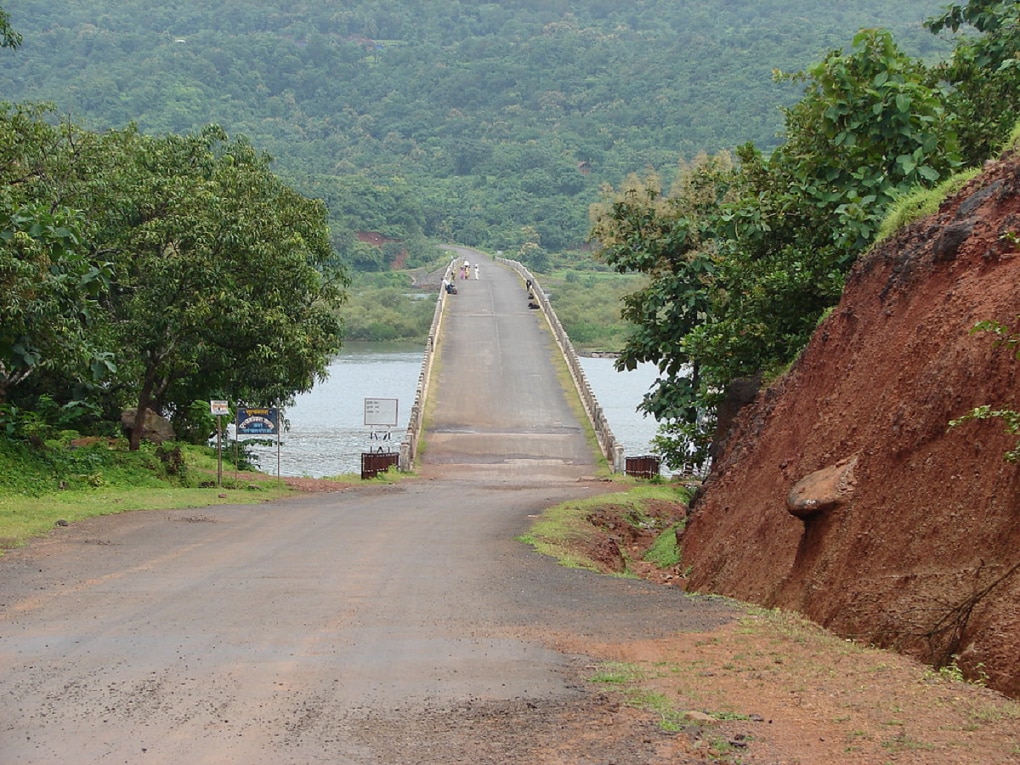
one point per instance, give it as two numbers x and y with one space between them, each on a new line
398 624
500 408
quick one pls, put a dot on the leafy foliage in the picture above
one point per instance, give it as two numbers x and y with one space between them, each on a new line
1007 338
983 72
157 271
48 285
588 306
456 120
380 310
745 258
9 38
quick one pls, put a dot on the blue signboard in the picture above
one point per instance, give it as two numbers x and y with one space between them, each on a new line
258 421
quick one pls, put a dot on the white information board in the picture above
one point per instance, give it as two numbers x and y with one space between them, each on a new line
381 412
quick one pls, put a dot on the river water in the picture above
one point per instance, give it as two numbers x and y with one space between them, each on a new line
327 434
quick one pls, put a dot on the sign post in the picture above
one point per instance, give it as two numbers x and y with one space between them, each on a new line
263 421
379 413
218 409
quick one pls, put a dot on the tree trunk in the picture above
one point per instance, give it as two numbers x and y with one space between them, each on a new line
144 400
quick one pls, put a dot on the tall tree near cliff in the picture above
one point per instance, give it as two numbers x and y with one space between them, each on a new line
867 128
224 282
674 239
983 72
738 286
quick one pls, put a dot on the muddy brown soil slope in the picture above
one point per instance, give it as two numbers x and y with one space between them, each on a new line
910 537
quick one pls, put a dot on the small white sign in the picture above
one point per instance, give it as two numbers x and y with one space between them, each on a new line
219 408
381 412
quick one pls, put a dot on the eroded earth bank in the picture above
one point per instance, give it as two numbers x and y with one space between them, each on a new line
843 493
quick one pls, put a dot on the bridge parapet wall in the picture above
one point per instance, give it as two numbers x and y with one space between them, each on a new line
611 450
409 445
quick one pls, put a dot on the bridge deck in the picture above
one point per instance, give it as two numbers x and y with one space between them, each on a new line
497 403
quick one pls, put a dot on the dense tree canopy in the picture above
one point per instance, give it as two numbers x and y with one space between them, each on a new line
48 285
743 258
156 271
221 281
983 72
447 119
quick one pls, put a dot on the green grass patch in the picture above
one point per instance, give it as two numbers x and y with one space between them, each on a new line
23 518
560 533
921 203
616 673
40 486
1013 141
564 531
665 552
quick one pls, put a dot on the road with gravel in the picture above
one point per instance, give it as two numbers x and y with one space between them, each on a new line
377 624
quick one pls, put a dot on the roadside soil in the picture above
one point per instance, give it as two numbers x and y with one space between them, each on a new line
768 689
843 491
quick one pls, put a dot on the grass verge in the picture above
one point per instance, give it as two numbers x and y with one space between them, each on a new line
570 531
58 483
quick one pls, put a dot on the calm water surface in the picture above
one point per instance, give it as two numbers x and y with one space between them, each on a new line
327 433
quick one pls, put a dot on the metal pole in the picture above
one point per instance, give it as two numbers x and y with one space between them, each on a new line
219 450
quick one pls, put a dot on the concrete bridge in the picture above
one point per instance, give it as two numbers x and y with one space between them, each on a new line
493 391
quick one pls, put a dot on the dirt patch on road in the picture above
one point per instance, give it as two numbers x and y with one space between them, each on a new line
316 485
774 689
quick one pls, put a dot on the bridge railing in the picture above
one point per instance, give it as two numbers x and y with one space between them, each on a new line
611 449
415 423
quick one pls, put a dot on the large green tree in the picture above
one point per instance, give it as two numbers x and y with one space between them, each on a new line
48 285
743 260
223 280
154 271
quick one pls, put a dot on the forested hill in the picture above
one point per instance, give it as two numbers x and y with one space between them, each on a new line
493 124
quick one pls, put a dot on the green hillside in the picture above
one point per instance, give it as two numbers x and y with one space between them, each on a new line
492 124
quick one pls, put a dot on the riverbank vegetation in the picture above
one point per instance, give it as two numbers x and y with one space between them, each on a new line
390 307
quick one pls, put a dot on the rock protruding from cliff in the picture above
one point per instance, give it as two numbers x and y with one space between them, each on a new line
919 548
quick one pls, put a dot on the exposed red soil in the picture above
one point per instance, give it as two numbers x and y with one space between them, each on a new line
772 688
316 485
918 549
376 239
622 540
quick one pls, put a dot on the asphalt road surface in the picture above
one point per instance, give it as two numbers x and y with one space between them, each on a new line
499 408
399 624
